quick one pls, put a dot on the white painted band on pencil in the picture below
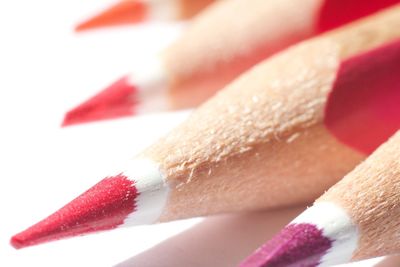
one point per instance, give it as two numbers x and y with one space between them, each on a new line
336 225
153 192
151 83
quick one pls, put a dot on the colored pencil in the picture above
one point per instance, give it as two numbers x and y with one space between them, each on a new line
127 12
356 219
272 138
222 42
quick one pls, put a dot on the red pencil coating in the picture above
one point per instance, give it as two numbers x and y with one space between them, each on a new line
337 12
200 63
363 109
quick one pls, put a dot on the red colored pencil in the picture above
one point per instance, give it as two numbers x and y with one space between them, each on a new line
222 42
272 138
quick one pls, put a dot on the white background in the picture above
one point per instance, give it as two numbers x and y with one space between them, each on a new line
45 69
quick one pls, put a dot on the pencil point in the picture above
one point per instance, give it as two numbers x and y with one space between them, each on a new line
323 234
302 244
16 242
124 12
105 206
115 101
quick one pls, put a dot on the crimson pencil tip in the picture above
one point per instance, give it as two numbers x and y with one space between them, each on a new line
124 12
16 242
105 206
296 245
117 100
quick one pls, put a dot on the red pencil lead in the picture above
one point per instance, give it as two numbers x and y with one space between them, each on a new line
115 101
136 195
124 12
105 206
137 93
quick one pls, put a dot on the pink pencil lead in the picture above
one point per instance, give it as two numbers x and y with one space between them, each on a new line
302 244
323 235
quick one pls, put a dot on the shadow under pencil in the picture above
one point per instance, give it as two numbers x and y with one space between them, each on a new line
223 241
217 241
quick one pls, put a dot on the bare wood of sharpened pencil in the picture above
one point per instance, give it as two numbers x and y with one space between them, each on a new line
189 8
191 62
358 218
255 118
371 194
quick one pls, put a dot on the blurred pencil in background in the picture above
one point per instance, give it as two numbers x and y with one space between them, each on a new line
222 42
127 12
272 138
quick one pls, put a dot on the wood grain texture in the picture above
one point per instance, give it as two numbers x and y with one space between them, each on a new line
371 196
261 142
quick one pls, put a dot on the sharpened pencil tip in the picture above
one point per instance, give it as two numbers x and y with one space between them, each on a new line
296 245
104 206
122 13
16 242
117 100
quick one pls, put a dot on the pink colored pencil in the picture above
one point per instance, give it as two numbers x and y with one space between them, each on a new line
356 219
